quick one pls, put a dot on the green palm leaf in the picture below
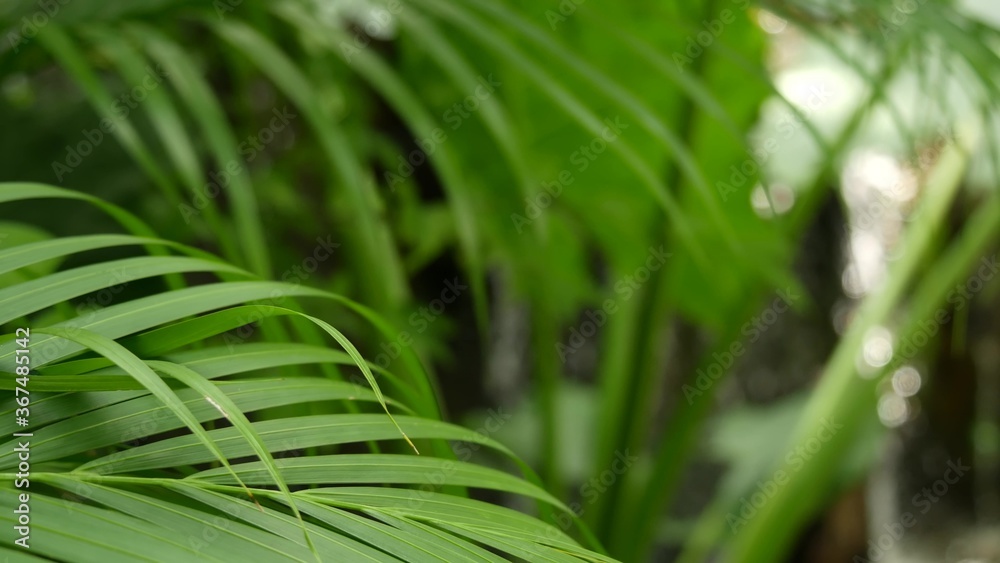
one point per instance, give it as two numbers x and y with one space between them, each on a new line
120 401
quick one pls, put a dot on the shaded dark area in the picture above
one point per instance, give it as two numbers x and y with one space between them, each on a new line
481 280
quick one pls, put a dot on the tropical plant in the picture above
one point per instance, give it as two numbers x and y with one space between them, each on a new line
587 171
101 485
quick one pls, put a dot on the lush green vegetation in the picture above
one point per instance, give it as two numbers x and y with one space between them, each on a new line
269 252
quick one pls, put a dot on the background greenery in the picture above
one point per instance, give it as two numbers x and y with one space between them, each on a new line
278 222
